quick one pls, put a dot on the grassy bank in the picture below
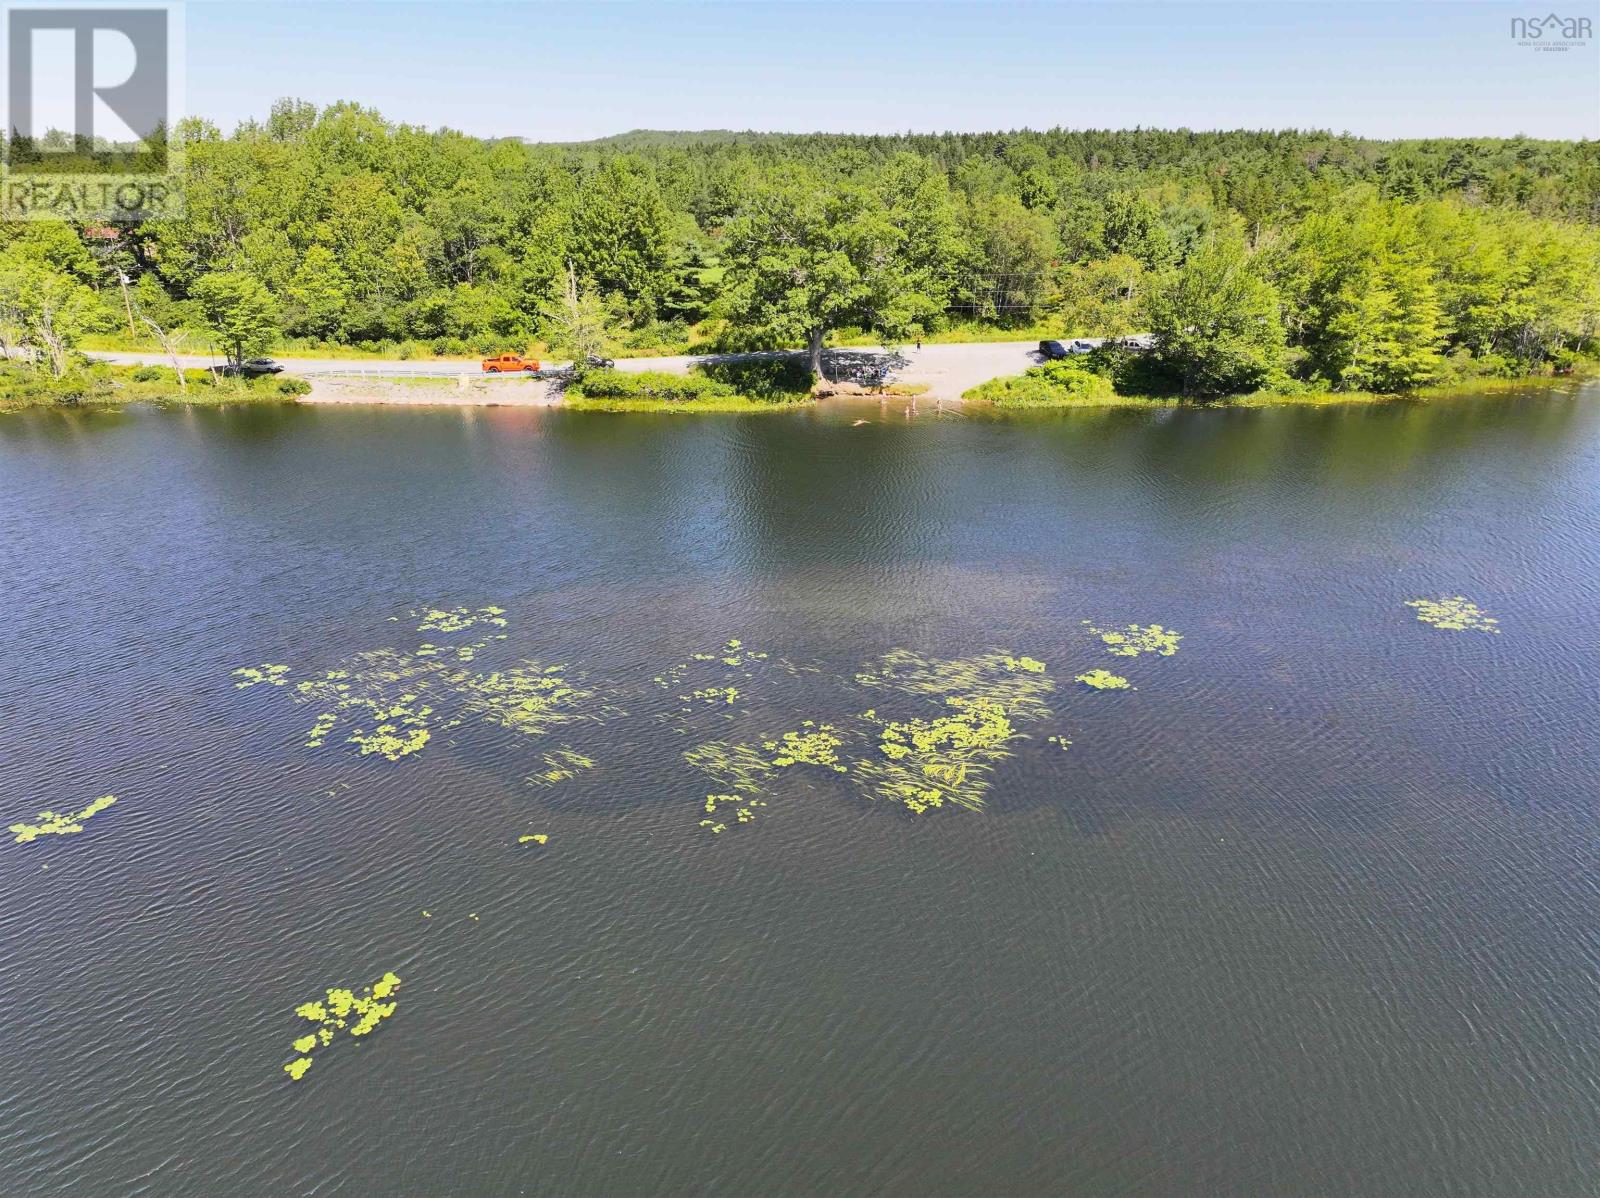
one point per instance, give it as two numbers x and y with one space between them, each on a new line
1081 383
103 385
726 387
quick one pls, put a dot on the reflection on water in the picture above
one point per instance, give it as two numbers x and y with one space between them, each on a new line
1310 908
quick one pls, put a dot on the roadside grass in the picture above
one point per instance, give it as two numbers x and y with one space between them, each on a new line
1088 383
722 387
729 403
104 385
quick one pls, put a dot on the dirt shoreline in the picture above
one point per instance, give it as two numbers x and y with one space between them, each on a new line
465 391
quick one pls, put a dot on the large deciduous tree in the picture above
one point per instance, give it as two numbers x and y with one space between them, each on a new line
1217 325
48 312
804 261
238 311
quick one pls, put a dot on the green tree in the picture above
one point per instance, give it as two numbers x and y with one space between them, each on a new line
804 261
1389 328
318 295
580 326
1101 298
239 312
1216 322
1011 249
48 311
1133 226
620 231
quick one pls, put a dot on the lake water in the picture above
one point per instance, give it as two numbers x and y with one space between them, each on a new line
1312 909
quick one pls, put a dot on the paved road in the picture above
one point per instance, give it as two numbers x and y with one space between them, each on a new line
948 370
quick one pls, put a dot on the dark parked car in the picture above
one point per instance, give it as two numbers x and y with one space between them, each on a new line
1051 350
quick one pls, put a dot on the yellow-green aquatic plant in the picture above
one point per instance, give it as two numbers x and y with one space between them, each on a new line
930 761
53 823
1134 640
387 701
343 1010
458 619
1104 680
813 744
717 680
534 838
746 769
529 698
380 696
559 766
1454 613
744 810
249 676
319 730
927 763
1000 677
404 731
736 767
712 696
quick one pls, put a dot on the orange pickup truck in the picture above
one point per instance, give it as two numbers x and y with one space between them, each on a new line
509 364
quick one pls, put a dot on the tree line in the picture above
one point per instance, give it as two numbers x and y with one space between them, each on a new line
1255 257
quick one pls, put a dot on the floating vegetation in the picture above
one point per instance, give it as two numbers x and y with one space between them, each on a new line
249 676
403 732
1061 742
528 698
391 704
1454 613
560 765
458 619
814 744
735 767
1134 640
319 730
53 823
744 810
1104 680
343 1010
380 697
922 759
532 838
461 653
717 683
1007 680
712 696
927 762
749 769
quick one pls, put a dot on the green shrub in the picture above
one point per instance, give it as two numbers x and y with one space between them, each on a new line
650 384
146 374
293 387
1053 384
776 380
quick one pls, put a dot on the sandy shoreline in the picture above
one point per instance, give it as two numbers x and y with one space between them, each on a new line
465 391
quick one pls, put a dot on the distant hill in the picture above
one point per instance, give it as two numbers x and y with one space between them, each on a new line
636 139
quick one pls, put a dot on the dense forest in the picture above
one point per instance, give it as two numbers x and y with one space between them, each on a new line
1257 258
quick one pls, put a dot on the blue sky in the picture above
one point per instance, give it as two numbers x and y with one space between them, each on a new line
550 71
